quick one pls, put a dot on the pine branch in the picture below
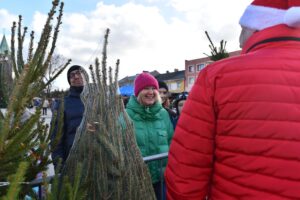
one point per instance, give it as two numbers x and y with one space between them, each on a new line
14 188
30 49
12 47
56 31
20 61
216 53
104 60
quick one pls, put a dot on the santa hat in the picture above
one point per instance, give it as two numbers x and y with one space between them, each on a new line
144 80
262 14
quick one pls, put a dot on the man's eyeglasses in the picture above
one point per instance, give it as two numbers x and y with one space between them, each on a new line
74 73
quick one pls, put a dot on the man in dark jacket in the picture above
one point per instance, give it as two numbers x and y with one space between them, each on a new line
73 111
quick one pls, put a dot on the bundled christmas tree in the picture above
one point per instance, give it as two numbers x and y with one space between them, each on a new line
105 148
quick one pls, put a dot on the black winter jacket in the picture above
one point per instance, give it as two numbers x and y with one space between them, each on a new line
73 112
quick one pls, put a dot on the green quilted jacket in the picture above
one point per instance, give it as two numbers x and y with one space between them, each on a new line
153 130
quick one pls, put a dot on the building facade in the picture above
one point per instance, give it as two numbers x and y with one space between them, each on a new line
174 80
193 67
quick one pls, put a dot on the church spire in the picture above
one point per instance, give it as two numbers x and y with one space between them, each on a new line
4 46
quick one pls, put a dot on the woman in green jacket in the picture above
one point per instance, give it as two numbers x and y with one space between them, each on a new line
153 127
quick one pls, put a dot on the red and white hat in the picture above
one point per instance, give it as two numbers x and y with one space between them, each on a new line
261 14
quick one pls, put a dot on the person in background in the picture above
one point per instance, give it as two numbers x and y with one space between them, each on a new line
238 135
152 124
125 100
179 102
45 106
73 113
54 104
164 95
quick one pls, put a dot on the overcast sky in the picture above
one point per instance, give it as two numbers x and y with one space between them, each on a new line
145 34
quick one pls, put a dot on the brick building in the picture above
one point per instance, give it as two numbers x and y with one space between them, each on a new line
193 67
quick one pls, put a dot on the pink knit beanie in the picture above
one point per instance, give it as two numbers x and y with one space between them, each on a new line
144 80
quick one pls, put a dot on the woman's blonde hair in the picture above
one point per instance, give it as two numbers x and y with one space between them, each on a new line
157 97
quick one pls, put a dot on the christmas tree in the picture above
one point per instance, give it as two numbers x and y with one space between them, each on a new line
104 162
24 138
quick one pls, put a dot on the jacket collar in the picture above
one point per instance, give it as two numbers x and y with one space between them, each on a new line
270 36
148 113
75 91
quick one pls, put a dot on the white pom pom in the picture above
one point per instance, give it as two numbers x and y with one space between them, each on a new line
292 17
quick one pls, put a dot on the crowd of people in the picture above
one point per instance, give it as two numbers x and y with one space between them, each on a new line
236 133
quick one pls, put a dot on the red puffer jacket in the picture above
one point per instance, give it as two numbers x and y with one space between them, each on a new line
239 133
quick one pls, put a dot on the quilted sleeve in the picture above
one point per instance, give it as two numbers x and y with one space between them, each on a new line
189 168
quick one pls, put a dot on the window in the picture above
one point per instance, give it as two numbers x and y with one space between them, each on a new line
200 66
173 86
191 80
191 68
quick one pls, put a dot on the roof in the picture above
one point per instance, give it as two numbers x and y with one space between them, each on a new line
235 53
4 46
171 75
132 78
128 78
207 58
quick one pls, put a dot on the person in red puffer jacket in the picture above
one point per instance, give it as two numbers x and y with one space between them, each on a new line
238 136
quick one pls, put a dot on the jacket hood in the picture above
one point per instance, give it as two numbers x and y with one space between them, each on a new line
144 112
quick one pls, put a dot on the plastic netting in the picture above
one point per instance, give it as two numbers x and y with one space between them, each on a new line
105 144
